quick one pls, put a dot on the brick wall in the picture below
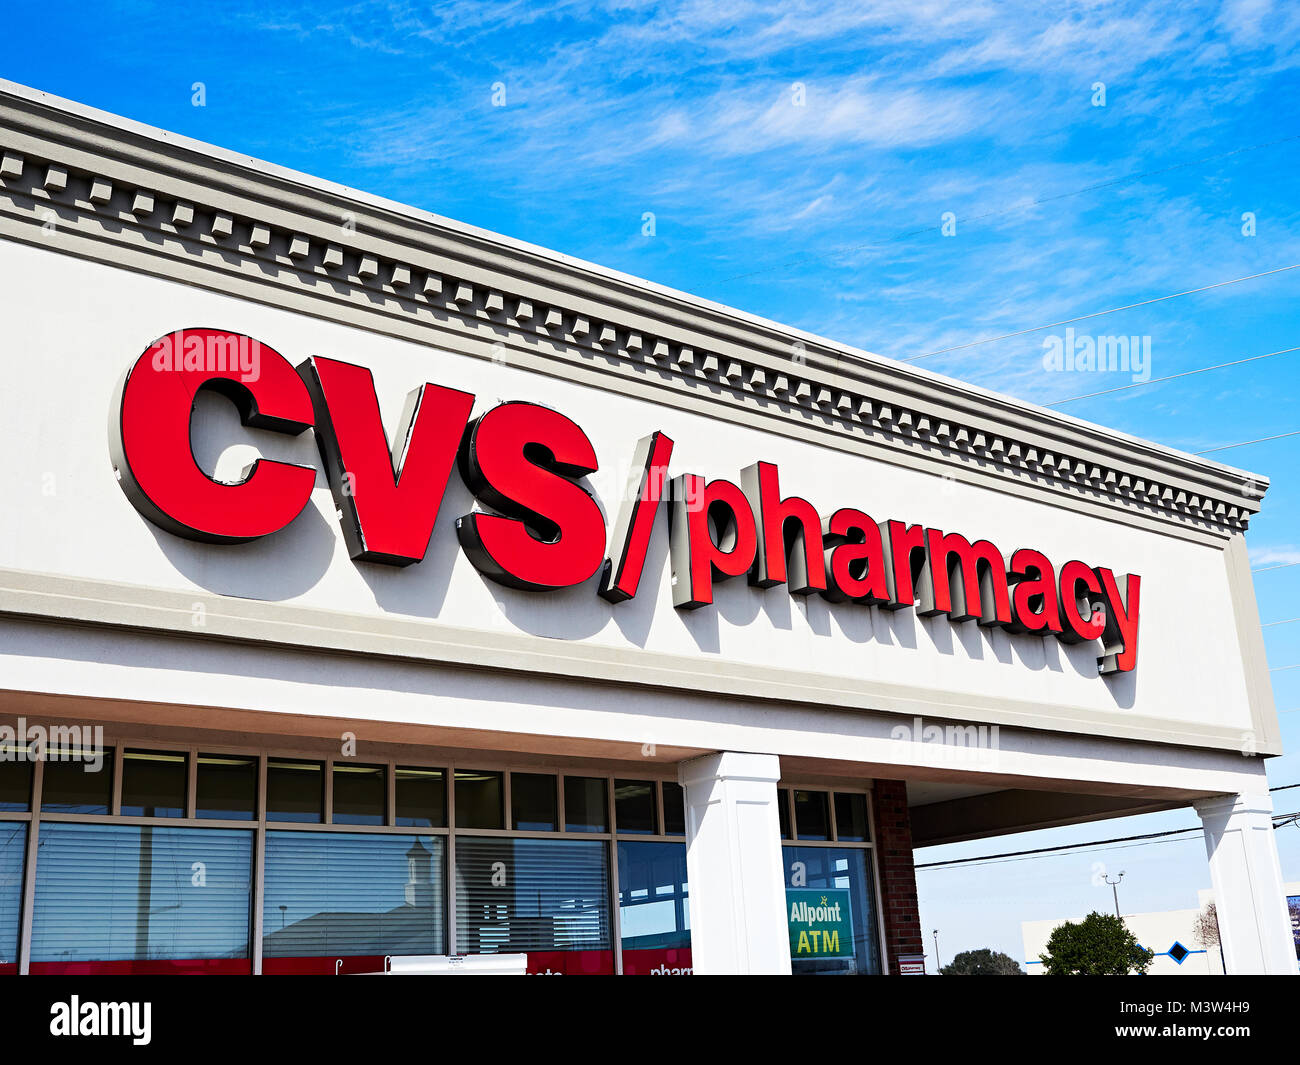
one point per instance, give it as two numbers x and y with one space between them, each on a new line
897 877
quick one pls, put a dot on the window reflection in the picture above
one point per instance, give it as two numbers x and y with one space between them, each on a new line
653 907
116 892
532 895
13 849
839 870
344 894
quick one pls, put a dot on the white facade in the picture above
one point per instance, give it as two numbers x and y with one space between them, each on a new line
113 235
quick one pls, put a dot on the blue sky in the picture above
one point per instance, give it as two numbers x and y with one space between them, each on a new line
799 160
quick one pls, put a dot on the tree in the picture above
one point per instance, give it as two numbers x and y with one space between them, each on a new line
1206 929
982 962
1099 945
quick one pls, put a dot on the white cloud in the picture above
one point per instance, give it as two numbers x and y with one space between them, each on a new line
1273 556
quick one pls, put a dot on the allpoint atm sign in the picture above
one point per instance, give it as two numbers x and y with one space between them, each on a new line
821 925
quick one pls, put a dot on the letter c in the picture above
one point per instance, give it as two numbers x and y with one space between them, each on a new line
149 438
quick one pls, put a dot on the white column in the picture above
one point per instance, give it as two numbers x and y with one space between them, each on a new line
733 864
1254 926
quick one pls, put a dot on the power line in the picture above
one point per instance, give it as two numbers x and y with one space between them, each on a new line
1260 440
1011 208
1172 377
1098 314
1281 669
1168 835
1029 857
1064 847
1095 843
1280 565
1270 624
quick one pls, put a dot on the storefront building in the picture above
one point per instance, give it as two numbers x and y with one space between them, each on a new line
373 586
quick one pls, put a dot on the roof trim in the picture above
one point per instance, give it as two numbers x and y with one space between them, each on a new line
129 194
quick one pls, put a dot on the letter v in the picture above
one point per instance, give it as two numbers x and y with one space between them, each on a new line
388 499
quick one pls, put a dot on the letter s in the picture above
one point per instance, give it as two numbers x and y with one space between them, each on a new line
522 459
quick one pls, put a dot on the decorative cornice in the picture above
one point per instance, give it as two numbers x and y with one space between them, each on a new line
90 184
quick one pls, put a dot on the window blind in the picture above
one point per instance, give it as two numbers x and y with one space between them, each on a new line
13 845
525 895
139 892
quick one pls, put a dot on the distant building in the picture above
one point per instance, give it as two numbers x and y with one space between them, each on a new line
1170 934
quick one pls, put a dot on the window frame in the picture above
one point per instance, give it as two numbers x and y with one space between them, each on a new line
656 773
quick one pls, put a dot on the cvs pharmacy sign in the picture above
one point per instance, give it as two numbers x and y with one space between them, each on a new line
538 528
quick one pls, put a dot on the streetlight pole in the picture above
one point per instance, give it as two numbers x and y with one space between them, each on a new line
936 950
1114 887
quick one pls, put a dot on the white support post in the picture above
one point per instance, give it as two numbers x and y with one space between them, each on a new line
1254 926
733 864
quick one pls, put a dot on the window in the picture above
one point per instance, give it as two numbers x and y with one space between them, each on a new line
478 799
534 853
544 897
533 798
812 817
851 817
584 804
74 786
360 794
153 784
634 806
13 848
674 809
350 899
141 898
226 788
295 791
783 810
653 912
15 778
827 877
421 797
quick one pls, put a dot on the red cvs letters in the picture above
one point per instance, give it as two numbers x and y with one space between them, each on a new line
388 499
541 528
